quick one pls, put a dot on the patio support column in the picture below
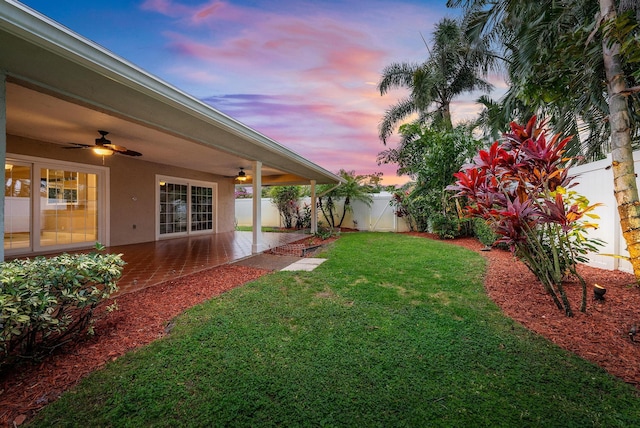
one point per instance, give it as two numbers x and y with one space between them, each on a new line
3 150
258 245
314 209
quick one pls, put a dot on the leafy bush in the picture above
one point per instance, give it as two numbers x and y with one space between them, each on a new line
421 209
450 226
324 232
521 188
46 301
447 227
414 207
430 156
402 204
483 231
285 198
303 217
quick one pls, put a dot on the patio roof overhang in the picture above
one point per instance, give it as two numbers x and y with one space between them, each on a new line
61 88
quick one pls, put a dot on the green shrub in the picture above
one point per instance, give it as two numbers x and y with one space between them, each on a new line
482 230
46 301
447 227
402 204
421 210
324 232
303 217
285 198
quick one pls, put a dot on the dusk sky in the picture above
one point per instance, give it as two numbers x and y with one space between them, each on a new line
303 73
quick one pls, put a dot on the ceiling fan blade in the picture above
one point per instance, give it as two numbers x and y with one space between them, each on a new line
122 150
131 153
77 146
115 148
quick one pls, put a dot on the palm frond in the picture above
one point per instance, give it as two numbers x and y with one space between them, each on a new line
403 109
397 75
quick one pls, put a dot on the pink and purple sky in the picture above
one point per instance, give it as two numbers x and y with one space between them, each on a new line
301 72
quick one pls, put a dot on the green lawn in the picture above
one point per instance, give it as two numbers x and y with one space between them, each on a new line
391 331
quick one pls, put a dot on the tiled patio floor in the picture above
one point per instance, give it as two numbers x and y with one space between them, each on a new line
155 262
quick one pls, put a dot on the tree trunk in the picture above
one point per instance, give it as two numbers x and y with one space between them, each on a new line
446 115
624 177
347 203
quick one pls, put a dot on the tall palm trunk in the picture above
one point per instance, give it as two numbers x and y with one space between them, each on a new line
446 115
624 177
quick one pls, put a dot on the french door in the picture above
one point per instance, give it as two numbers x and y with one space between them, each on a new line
185 207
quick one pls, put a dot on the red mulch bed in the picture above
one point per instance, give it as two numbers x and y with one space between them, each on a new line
142 317
601 335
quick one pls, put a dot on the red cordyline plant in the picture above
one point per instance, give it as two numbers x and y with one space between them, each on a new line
520 186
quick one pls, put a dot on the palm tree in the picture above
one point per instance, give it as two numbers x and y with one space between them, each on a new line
454 67
580 72
492 119
355 188
553 59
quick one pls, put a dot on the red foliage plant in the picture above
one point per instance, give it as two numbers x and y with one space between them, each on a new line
520 186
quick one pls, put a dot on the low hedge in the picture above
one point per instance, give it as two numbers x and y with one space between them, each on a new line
483 231
44 302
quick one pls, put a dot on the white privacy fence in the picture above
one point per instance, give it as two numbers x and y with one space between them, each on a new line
595 181
379 217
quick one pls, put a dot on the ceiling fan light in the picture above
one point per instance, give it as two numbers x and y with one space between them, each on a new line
242 176
101 151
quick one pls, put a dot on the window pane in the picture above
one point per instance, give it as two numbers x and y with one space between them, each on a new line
17 208
184 208
173 208
201 204
68 205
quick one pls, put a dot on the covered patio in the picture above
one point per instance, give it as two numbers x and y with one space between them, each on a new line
152 263
97 149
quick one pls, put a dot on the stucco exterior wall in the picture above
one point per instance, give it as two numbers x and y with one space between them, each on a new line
134 204
132 188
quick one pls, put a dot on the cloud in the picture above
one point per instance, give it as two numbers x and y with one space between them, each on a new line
164 7
195 75
287 48
308 127
302 73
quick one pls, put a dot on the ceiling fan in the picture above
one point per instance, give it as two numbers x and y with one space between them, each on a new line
103 147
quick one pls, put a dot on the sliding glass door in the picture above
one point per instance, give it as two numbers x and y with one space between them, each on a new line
185 207
68 207
63 210
173 208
